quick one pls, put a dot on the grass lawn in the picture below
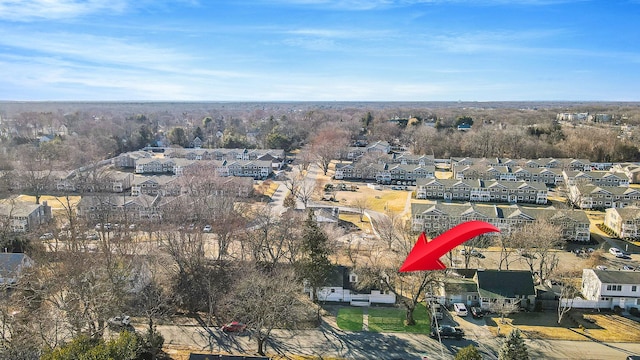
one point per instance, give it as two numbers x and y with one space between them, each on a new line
355 219
350 319
392 320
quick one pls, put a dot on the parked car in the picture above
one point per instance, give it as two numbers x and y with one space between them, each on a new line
46 236
119 322
460 309
628 268
447 331
623 256
601 267
234 326
206 228
615 251
477 312
92 236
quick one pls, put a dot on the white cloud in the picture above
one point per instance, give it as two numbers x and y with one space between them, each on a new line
361 5
28 10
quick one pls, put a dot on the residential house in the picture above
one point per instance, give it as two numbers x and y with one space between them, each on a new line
407 172
128 160
379 147
625 222
459 287
596 178
165 185
128 209
437 217
632 170
12 265
410 159
19 216
342 287
256 169
505 287
611 288
367 172
482 191
120 181
589 196
574 224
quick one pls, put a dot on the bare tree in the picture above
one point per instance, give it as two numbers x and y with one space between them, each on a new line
265 299
273 239
379 267
538 243
327 145
388 227
504 307
361 204
568 291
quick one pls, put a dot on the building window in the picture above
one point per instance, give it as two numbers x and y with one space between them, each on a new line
614 287
333 290
634 288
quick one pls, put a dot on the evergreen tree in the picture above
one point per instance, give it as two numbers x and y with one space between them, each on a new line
514 347
315 267
468 353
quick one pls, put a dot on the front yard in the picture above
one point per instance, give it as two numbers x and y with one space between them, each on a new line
578 325
383 319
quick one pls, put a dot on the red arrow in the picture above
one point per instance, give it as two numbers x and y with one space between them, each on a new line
425 255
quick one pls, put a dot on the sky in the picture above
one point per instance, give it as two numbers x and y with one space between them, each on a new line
320 50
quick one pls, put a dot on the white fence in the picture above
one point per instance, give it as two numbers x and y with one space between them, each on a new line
586 304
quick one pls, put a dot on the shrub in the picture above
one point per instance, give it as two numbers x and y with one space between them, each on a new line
634 311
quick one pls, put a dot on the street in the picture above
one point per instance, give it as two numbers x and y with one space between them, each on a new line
329 341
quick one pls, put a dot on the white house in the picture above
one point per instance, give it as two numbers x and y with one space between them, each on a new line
613 288
342 288
12 265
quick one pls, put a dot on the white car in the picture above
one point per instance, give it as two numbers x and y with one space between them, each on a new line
46 236
615 251
601 267
207 228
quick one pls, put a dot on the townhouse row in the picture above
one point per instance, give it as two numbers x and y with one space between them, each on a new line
482 191
437 217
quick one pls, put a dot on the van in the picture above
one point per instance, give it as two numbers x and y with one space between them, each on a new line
460 309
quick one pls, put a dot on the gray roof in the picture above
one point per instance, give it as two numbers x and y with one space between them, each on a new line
618 277
505 283
10 264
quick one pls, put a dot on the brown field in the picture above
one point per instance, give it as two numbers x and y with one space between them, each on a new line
606 327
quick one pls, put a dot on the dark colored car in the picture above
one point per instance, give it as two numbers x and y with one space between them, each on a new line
446 331
476 312
234 326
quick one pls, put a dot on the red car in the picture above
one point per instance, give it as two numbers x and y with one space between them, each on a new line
234 326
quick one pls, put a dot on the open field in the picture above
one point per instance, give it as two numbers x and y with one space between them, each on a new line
378 200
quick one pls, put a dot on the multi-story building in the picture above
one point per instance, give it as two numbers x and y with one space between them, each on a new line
482 191
590 196
625 222
438 217
595 177
19 216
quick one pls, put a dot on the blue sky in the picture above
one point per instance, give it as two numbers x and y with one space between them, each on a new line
320 50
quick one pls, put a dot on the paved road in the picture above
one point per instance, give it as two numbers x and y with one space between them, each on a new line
329 341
